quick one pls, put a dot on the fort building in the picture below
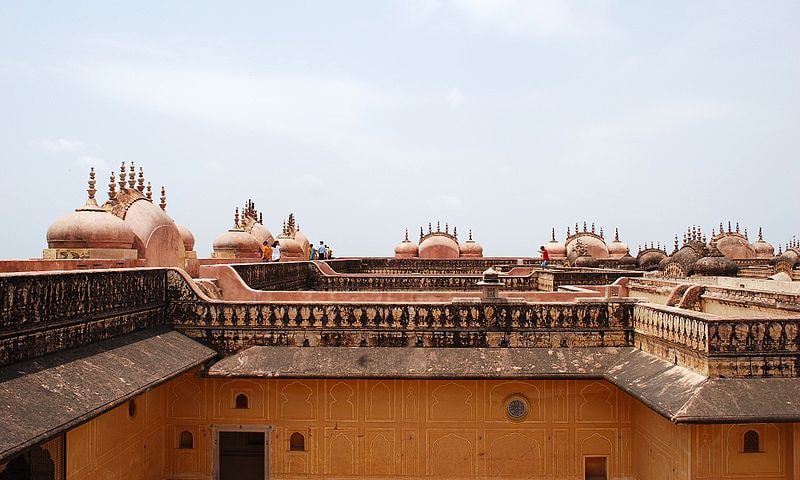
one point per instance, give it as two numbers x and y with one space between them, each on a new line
125 355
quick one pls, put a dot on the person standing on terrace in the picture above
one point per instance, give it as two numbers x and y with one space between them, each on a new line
545 256
322 252
276 251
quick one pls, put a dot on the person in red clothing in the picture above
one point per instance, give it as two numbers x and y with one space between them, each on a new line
545 256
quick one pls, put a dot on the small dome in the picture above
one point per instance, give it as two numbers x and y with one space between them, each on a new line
406 248
471 248
438 245
291 250
90 228
734 245
763 249
617 249
188 238
586 261
627 260
236 243
555 248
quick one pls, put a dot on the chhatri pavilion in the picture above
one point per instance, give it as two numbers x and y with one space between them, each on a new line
124 354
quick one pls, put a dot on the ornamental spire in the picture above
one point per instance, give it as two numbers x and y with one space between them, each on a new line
552 239
122 176
140 187
131 176
163 203
149 191
616 234
112 186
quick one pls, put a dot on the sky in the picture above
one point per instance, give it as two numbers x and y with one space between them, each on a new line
364 118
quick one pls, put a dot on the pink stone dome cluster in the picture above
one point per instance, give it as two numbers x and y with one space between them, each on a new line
248 234
438 244
127 226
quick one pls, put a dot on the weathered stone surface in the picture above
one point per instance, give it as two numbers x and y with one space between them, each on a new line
43 397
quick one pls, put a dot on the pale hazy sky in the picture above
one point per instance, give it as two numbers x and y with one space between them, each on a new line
364 118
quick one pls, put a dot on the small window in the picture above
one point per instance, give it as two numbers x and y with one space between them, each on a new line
131 408
186 440
751 442
242 401
297 442
595 468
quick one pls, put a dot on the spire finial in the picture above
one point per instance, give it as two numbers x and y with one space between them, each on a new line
236 219
592 227
729 226
552 238
676 242
163 203
576 228
438 229
406 239
421 233
721 228
122 176
112 186
737 227
746 237
616 234
141 180
760 237
92 183
780 252
149 191
602 235
455 233
446 227
568 234
430 229
584 226
713 233
261 218
131 176
470 234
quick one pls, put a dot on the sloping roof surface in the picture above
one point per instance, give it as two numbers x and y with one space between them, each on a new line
46 396
677 393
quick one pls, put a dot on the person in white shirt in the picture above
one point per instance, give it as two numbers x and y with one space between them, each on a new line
276 251
322 253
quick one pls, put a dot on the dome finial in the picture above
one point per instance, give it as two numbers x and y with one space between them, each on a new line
236 219
163 203
438 229
430 229
112 186
131 176
616 234
676 242
421 233
584 226
446 227
746 237
406 239
141 180
592 227
149 191
760 237
729 226
552 238
470 234
122 176
261 218
568 234
91 190
737 227
713 233
455 233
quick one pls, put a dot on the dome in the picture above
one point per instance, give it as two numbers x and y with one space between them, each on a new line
554 248
187 237
627 261
157 238
716 266
406 248
734 245
90 228
595 246
301 238
236 243
291 250
586 261
763 249
617 249
471 248
649 259
438 245
261 233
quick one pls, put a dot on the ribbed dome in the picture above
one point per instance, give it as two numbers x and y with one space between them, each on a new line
438 245
649 259
291 250
627 261
90 228
301 239
187 237
717 266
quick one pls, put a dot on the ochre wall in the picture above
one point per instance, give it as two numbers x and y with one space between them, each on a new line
117 446
457 429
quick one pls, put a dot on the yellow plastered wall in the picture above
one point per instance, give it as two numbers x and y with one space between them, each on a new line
407 428
118 446
667 451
